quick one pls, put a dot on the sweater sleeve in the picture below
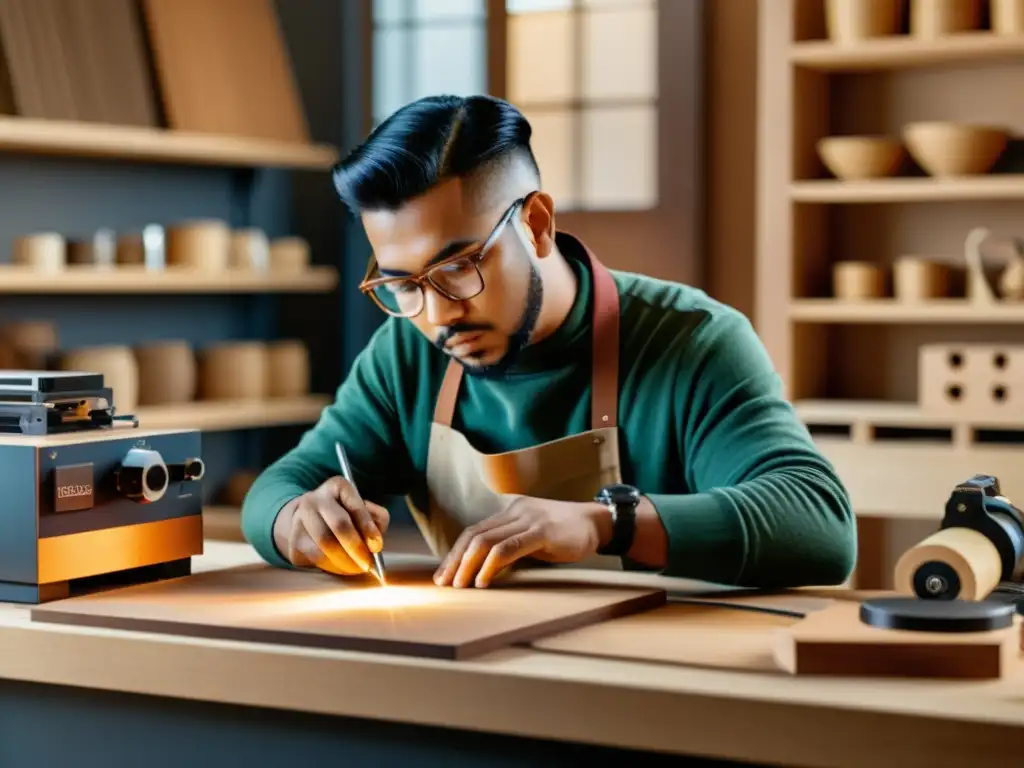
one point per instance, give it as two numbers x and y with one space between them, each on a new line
364 419
768 509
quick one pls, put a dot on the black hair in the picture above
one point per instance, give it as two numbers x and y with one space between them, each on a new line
427 141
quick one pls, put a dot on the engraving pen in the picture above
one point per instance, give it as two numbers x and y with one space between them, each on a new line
346 472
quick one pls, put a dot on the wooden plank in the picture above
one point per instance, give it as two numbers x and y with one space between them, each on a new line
80 139
409 616
1006 186
214 415
951 312
905 52
87 279
224 68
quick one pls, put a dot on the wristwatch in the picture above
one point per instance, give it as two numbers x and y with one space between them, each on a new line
622 501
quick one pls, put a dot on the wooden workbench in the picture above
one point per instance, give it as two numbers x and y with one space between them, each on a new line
251 691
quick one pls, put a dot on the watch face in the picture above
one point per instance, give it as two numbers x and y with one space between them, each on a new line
619 494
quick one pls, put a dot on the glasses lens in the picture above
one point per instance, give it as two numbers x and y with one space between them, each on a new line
400 297
459 279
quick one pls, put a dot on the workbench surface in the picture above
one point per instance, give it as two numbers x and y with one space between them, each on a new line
763 718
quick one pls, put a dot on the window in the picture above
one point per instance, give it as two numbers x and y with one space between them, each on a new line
585 74
427 47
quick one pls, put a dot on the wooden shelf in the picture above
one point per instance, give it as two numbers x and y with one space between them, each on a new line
134 280
222 415
893 414
909 190
903 52
889 311
114 142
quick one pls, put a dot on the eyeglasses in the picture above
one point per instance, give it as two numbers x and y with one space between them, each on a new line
457 278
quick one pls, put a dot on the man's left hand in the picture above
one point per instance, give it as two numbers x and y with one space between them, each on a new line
553 531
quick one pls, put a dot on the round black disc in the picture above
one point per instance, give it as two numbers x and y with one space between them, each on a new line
915 615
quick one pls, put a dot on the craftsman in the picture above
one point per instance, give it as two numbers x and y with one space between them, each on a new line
480 398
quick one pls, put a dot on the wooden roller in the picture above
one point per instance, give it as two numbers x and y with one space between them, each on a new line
971 555
199 245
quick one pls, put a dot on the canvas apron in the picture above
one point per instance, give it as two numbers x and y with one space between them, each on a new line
465 486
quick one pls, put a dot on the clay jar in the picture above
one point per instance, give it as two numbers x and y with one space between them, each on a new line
31 342
167 373
116 363
233 370
287 369
44 251
857 281
289 254
850 21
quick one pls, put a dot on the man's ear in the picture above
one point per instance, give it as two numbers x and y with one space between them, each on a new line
539 217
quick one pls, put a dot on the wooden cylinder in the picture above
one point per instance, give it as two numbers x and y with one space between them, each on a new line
915 279
32 342
937 18
44 251
849 21
117 364
857 280
233 370
167 373
202 245
287 369
250 249
1007 17
289 254
971 555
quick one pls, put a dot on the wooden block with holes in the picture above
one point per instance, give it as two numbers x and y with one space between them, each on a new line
973 381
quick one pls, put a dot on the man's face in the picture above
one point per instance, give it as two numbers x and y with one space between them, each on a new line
487 331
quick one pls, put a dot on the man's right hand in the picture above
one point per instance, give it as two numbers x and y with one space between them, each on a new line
331 528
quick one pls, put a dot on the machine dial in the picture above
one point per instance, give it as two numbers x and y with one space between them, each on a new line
143 476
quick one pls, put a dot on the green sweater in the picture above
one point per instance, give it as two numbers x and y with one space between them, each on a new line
705 434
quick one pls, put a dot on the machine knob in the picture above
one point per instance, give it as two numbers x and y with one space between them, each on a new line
190 469
143 476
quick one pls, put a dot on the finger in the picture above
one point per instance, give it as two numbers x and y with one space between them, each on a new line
507 552
300 545
323 533
479 549
370 536
380 516
446 570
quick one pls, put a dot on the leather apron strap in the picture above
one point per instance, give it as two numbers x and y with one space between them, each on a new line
605 386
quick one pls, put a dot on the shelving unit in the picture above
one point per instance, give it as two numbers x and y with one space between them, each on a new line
850 367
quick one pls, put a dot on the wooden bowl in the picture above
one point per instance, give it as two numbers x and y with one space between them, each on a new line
850 21
860 157
952 149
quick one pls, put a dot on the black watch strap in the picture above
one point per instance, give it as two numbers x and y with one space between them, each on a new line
622 503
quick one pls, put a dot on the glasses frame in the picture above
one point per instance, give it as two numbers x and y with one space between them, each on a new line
473 254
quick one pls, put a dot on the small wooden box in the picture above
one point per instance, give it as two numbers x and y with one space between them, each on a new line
96 507
973 381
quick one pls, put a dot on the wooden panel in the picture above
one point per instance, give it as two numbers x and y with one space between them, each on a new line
224 68
835 642
409 616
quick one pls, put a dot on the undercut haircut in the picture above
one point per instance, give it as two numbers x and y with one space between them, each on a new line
482 140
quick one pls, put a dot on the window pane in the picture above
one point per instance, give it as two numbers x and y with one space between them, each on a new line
448 9
531 6
552 142
540 58
385 11
450 59
620 54
390 70
619 158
